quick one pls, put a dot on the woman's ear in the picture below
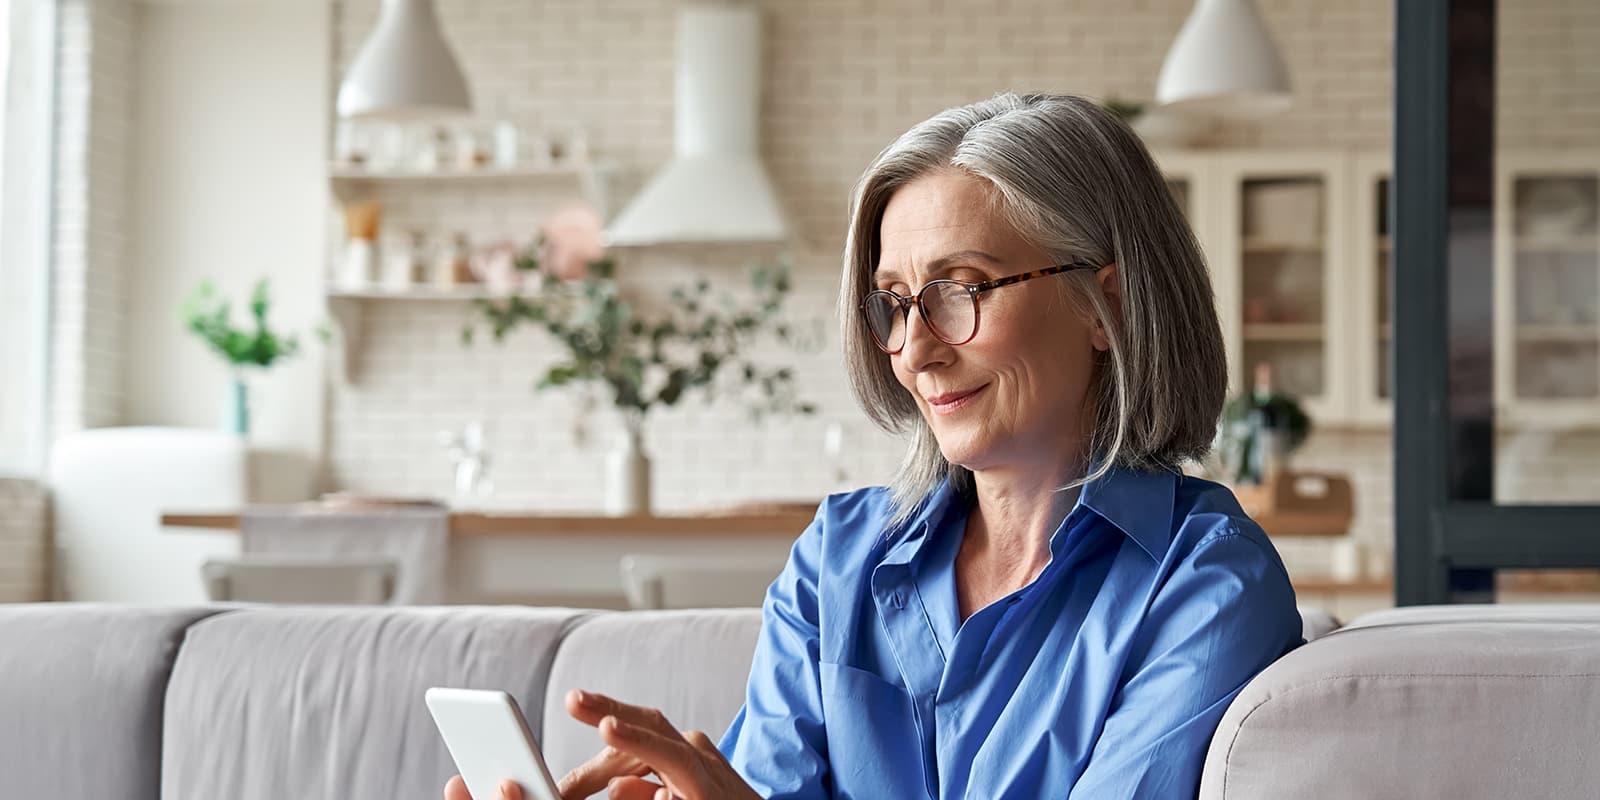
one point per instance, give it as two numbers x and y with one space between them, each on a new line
1110 279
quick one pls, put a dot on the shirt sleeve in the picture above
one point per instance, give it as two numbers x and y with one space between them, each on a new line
777 742
1225 613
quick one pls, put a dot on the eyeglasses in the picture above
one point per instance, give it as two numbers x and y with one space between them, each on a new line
949 308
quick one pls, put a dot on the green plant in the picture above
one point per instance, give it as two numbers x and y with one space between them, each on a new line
1127 110
209 316
697 344
1245 418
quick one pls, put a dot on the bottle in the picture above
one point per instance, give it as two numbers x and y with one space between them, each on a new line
452 266
406 265
505 145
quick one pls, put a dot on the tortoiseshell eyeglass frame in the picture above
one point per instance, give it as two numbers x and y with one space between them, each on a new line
973 290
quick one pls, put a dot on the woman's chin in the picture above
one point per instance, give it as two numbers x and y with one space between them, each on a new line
962 454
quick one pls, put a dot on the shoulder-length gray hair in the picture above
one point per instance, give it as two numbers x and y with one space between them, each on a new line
1080 185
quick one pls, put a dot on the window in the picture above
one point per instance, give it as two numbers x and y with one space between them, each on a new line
27 35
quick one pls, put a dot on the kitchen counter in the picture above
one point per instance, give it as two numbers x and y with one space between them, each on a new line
787 522
574 559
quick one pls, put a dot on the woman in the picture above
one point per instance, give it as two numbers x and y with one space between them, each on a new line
1042 604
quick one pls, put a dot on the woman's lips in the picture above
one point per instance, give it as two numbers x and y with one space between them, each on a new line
952 402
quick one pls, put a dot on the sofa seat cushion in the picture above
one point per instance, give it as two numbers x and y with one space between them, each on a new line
268 703
82 695
1447 702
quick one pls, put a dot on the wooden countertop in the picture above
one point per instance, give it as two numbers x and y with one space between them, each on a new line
788 523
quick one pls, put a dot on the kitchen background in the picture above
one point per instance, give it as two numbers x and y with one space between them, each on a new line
183 180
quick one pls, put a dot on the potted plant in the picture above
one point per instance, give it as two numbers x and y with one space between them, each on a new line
698 344
1260 429
209 316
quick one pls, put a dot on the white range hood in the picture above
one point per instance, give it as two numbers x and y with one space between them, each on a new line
715 189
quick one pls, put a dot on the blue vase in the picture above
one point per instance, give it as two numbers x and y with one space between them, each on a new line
236 410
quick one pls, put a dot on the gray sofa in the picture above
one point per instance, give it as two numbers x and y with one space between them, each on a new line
259 703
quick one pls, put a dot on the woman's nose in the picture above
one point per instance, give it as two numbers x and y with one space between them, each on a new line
922 350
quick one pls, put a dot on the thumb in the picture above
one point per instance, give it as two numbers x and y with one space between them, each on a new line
509 790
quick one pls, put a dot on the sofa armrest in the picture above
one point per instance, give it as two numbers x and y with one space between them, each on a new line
1458 702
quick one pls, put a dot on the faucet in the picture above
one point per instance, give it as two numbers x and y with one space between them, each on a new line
470 460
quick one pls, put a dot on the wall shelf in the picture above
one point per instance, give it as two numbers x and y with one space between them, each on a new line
418 293
1267 246
351 184
348 306
1284 331
1580 244
1558 333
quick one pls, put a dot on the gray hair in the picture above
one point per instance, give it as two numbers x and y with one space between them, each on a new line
1079 184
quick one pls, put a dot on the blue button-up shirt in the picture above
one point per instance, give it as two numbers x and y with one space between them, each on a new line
1104 678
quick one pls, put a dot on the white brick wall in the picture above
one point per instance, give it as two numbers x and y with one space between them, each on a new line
841 78
96 107
1547 80
24 525
95 97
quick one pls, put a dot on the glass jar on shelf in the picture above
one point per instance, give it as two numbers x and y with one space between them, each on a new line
452 263
405 262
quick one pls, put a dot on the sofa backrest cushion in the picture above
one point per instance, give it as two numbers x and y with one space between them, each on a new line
313 703
693 665
1448 702
81 697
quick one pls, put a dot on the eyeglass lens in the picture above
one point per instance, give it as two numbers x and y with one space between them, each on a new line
948 309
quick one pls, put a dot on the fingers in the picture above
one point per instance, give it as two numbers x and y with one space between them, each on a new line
595 774
591 707
456 789
669 756
631 788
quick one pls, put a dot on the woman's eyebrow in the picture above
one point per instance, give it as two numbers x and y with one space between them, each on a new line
940 264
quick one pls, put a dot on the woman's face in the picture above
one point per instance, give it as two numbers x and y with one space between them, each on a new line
1014 395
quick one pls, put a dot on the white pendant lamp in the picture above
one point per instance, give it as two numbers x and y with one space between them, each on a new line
1224 62
405 70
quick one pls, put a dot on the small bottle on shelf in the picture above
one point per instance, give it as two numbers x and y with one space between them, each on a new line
452 267
405 266
505 145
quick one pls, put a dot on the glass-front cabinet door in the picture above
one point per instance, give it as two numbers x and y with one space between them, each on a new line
1288 266
1547 272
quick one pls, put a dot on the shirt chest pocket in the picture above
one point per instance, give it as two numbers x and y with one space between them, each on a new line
874 750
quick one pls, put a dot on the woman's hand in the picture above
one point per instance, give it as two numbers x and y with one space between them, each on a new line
640 741
456 789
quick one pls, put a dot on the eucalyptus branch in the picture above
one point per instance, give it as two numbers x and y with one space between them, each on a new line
650 363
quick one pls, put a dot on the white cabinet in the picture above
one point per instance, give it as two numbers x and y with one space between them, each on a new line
1300 252
1275 229
1547 288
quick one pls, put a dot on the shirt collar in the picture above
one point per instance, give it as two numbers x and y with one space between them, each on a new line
907 541
1138 503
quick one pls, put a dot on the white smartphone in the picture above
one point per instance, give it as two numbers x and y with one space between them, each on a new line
490 742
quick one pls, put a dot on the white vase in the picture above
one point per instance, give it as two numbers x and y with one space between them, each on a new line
628 474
